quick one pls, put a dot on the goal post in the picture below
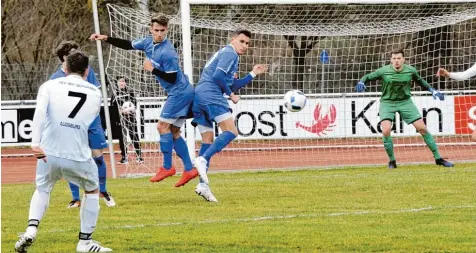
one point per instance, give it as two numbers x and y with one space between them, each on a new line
338 127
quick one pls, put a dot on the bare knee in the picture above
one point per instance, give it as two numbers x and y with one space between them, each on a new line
234 131
422 130
207 137
163 127
229 125
175 131
386 128
386 132
96 152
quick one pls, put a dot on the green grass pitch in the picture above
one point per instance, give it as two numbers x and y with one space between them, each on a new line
410 209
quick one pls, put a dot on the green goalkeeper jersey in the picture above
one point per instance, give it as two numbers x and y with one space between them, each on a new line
396 85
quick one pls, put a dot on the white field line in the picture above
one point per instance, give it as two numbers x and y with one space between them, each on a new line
267 218
384 172
400 171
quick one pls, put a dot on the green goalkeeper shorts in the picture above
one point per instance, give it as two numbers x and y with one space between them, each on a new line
407 110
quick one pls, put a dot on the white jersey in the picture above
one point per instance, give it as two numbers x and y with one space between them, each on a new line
460 76
65 107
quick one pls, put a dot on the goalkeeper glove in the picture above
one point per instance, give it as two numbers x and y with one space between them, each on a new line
437 94
360 87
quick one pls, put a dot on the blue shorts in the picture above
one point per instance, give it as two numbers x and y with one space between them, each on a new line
97 139
205 114
177 106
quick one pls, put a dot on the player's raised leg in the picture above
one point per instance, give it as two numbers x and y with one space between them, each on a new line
180 147
173 113
229 133
203 189
431 143
207 134
166 146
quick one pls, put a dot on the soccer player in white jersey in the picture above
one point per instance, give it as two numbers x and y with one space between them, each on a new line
219 76
65 108
97 139
460 76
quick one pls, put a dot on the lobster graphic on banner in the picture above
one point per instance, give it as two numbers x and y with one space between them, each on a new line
321 124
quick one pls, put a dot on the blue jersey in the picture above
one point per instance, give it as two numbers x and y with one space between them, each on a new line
90 79
164 58
226 60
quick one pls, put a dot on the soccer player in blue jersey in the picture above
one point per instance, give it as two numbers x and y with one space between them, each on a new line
163 62
219 76
97 140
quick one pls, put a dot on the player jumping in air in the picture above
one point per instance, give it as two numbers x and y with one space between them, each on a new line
65 108
460 76
163 62
397 81
218 78
97 140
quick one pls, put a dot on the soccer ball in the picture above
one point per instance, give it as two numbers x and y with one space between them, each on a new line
295 100
128 107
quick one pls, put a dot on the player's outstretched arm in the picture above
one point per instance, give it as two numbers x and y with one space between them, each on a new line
423 83
460 76
240 83
117 42
170 77
360 87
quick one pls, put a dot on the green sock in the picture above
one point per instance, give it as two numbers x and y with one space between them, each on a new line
430 142
388 145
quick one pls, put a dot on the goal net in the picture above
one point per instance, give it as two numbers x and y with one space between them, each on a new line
322 50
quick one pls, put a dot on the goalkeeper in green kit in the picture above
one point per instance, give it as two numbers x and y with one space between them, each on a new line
396 97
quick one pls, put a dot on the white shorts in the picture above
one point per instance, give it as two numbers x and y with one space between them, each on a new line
83 174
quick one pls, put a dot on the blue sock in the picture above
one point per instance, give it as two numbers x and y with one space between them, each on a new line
204 148
74 191
166 147
102 172
220 142
181 149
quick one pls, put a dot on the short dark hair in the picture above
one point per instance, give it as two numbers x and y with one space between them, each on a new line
65 48
159 19
77 62
121 77
245 32
398 51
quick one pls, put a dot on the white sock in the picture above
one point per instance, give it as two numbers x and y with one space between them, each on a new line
38 205
31 231
89 212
